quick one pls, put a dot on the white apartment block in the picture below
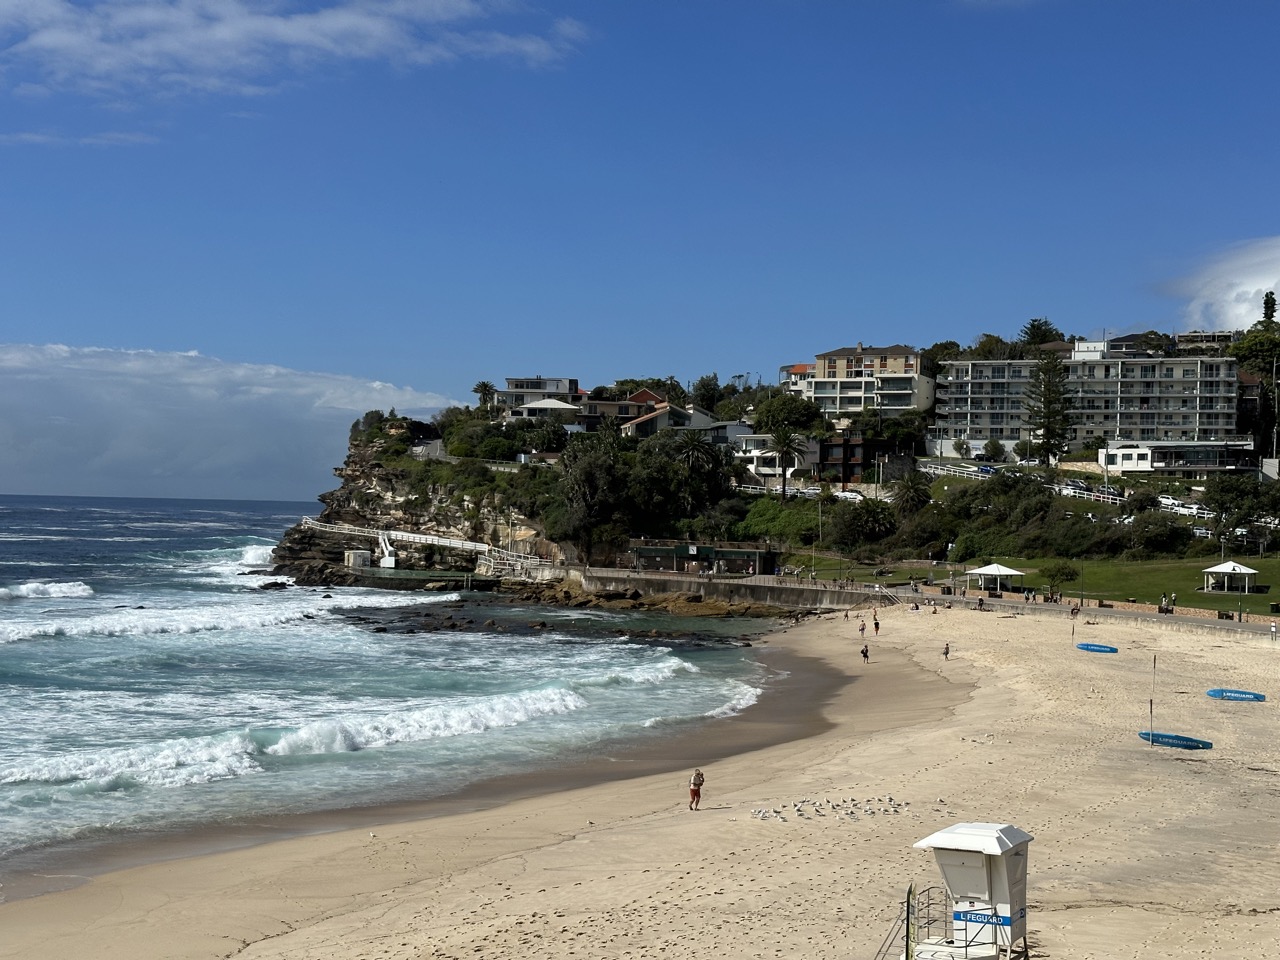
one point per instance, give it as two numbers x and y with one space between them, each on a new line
847 381
1116 397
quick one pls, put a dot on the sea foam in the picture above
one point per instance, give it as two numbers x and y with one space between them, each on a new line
432 722
44 590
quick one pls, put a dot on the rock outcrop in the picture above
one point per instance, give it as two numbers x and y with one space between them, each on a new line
569 593
384 488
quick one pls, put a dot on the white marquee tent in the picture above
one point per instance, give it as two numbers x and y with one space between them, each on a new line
994 576
1229 576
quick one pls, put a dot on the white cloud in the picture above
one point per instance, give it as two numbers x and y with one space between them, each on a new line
1226 293
109 47
100 422
107 138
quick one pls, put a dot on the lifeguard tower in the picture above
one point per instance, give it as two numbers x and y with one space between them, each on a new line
982 913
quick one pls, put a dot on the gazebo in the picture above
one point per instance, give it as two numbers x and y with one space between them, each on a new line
1229 576
993 575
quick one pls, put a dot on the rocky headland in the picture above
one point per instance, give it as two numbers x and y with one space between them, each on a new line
382 488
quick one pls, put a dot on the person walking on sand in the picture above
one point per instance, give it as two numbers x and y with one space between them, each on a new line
862 629
875 622
866 653
846 616
695 789
946 651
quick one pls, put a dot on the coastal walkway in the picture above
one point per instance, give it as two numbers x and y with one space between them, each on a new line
491 561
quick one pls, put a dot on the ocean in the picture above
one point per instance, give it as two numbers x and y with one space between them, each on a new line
149 687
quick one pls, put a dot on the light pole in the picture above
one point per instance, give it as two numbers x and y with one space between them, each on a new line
1275 414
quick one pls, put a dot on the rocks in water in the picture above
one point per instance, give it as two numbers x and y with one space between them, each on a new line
273 585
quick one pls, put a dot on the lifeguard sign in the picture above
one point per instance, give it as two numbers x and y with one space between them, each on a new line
984 866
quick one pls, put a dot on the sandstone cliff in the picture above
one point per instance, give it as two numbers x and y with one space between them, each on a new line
384 489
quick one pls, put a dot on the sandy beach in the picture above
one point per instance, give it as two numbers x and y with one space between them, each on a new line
1139 851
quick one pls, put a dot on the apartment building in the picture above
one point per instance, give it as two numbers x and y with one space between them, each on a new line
847 381
1179 403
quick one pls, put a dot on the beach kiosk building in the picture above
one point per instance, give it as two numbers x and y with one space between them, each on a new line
984 868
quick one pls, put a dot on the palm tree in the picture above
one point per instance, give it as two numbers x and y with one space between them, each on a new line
786 444
695 451
486 391
911 493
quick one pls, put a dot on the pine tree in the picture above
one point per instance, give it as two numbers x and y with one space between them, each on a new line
1047 407
1039 330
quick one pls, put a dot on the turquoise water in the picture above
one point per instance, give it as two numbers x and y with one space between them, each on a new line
149 685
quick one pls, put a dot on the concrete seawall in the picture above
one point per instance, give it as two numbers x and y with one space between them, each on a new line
760 590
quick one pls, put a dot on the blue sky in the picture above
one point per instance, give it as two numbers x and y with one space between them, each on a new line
267 217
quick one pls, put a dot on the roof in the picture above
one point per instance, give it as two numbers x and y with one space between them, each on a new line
996 570
896 349
989 838
549 403
1229 567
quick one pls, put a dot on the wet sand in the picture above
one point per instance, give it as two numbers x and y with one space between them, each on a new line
1138 851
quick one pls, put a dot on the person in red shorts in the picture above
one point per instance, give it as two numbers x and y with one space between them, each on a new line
695 789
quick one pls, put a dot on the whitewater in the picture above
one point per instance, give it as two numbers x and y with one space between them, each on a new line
149 686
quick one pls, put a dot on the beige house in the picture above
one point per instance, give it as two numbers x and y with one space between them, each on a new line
850 380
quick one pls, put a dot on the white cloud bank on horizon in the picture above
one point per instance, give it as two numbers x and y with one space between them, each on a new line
1226 292
109 47
137 423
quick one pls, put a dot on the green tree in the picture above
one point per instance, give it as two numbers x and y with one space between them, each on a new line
786 445
940 351
961 448
595 483
991 347
1058 572
1039 330
994 449
706 391
853 525
1157 343
1269 306
1236 500
789 412
1046 405
911 493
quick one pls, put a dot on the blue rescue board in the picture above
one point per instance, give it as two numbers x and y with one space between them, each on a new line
1096 648
1218 693
1175 740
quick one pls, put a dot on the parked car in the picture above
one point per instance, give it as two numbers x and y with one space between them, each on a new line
983 458
987 469
1203 533
1029 462
1108 490
1075 484
1168 502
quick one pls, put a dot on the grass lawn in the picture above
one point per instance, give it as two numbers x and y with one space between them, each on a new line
1146 581
1103 579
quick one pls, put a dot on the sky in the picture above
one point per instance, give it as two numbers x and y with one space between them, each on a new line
229 227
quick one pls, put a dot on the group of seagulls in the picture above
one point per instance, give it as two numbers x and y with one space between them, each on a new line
850 808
